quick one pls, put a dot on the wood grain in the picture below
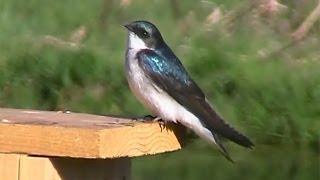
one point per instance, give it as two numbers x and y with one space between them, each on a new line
48 133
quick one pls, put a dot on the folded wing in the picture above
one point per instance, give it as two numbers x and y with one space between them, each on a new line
171 76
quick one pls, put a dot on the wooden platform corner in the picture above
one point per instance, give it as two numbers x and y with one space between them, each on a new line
47 133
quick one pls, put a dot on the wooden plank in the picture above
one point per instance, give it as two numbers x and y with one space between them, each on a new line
148 139
81 135
9 166
36 168
58 168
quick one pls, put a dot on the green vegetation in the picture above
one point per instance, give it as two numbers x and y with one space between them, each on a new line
274 99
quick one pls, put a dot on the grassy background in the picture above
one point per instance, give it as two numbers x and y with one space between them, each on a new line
275 100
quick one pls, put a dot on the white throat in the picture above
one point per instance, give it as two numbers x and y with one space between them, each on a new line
135 42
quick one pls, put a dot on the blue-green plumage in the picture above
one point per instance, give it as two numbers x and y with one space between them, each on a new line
171 69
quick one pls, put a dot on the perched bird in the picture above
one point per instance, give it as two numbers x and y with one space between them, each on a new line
161 83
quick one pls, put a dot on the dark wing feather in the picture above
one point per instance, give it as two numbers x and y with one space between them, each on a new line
171 76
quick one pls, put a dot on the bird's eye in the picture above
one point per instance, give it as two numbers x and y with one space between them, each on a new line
144 34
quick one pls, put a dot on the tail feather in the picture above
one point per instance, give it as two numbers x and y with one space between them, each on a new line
217 125
221 148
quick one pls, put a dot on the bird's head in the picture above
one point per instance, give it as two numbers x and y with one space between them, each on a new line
143 35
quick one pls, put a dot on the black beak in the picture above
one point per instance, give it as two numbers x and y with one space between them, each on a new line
128 26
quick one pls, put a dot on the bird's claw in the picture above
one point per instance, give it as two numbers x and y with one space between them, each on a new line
146 118
162 123
150 118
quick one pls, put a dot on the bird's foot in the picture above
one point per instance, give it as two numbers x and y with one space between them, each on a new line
146 118
150 119
162 123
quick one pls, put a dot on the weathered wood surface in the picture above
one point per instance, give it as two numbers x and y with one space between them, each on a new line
49 133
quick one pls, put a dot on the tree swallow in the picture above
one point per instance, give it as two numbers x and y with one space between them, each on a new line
161 83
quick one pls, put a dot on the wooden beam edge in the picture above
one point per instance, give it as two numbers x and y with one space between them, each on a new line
41 140
142 139
45 140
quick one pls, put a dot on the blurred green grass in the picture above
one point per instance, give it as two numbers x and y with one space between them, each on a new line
274 100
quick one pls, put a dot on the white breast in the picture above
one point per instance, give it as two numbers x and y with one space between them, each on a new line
134 42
